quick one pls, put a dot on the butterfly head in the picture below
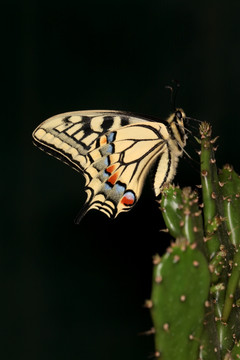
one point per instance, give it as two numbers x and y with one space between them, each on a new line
176 122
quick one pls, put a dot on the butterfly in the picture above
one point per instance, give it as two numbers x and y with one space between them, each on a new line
115 151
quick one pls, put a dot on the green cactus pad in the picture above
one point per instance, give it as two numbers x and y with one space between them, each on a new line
181 213
235 353
171 209
180 289
216 265
230 189
210 186
232 285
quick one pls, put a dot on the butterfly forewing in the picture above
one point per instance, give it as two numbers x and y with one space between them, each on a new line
70 135
114 150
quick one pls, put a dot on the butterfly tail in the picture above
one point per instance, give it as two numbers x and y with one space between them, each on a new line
81 214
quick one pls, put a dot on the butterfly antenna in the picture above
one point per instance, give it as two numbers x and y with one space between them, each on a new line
171 95
174 91
177 86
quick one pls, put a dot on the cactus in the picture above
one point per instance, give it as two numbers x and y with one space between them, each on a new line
195 301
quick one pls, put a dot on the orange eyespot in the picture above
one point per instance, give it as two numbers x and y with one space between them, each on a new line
103 140
129 198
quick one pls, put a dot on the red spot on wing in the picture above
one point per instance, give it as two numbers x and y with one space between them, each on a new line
113 178
110 169
128 199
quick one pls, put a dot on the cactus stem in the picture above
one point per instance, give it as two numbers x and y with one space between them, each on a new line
231 287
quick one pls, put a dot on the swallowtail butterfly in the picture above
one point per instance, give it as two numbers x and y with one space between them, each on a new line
115 151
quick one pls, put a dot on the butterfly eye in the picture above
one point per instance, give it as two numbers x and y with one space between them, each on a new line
179 114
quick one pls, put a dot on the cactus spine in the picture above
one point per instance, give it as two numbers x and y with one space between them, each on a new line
195 289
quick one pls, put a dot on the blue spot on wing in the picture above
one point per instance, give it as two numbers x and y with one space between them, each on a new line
110 149
105 174
120 188
107 161
130 195
111 137
107 186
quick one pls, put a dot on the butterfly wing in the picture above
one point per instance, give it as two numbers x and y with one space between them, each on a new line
69 136
114 150
118 164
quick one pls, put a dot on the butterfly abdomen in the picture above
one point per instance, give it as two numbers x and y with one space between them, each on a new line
167 165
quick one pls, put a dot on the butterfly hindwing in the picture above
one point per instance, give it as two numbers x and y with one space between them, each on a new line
119 163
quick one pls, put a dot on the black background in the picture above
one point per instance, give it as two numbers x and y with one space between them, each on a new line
76 292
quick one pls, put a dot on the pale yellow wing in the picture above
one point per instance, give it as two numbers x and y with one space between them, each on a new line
118 165
115 151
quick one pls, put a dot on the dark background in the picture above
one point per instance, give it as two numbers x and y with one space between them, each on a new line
76 292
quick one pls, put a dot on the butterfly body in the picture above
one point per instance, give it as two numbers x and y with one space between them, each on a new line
115 151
